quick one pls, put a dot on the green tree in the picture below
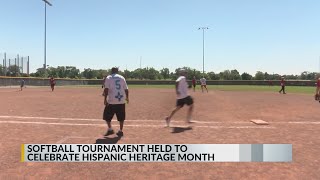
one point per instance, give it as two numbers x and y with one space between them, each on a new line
225 75
13 70
235 75
190 73
246 76
267 76
71 72
292 77
127 74
39 73
61 71
173 76
213 76
2 71
52 72
165 73
137 73
89 74
153 74
259 76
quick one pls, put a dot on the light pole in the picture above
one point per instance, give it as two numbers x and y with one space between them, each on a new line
45 32
203 29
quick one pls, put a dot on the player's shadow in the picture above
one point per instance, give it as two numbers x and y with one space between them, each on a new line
108 140
180 129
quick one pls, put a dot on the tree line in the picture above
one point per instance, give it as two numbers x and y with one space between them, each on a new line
13 70
152 74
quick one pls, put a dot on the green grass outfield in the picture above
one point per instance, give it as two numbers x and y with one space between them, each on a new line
289 89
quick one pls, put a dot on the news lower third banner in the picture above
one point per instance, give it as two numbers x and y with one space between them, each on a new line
156 153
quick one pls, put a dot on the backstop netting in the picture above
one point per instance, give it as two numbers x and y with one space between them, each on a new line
14 65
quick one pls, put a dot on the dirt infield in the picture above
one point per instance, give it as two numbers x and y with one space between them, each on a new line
73 115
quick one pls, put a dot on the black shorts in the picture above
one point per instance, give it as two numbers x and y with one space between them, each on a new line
193 85
111 109
187 100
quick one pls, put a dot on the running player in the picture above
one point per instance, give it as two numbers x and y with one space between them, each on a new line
182 97
317 96
283 86
194 83
115 94
52 83
203 82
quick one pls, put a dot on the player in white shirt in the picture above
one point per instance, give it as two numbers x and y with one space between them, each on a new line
116 94
203 82
183 97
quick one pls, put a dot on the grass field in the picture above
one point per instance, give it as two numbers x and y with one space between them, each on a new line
249 88
289 89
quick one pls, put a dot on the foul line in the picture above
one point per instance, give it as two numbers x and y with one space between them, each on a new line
133 125
99 120
146 120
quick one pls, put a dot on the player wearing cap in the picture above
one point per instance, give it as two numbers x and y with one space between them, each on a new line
283 86
203 82
115 94
182 97
52 83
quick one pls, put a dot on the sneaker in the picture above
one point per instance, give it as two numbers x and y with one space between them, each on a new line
120 133
167 121
109 132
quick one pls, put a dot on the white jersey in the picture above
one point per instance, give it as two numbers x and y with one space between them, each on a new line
203 81
182 87
116 85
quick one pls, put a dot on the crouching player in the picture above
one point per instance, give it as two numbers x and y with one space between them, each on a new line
182 97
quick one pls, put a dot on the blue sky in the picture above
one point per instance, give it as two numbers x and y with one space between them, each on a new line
280 36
